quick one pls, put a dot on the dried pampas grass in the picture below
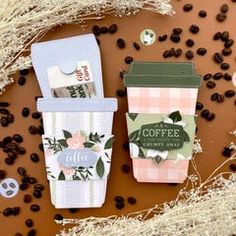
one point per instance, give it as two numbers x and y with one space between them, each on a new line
26 21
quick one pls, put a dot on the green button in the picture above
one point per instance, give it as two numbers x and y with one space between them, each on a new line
147 37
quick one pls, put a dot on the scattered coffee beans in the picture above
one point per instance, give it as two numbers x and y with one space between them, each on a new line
128 59
113 28
58 217
187 7
201 51
24 72
121 43
226 51
162 38
104 30
131 200
221 17
96 30
224 66
29 223
229 93
2 174
27 198
227 152
218 58
194 29
227 77
207 76
217 36
224 8
189 54
18 138
34 157
21 81
136 46
32 232
175 38
35 208
205 113
218 76
25 112
232 167
199 106
202 13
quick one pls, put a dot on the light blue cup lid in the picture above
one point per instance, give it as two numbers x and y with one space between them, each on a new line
77 104
65 53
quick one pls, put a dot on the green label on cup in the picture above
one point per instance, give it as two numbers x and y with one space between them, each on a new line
162 136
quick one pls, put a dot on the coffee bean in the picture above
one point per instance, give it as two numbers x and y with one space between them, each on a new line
10 118
210 84
224 66
36 115
178 52
131 200
18 138
207 76
166 54
58 217
220 98
199 106
201 51
175 38
33 129
18 234
136 46
25 112
227 77
41 147
224 8
218 58
205 113
214 96
113 28
229 93
27 198
12 185
225 36
122 73
120 93
126 146
7 211
35 208
125 168
120 205
221 17
4 121
232 167
23 186
25 179
226 51
21 171
202 13
218 76
177 30
96 30
229 43
73 210
128 59
2 174
39 187
12 155
29 223
194 29
227 152
7 140
24 72
119 199
187 7
9 161
4 104
20 150
21 81
217 36
32 232
15 211
32 180
210 117
37 194
189 54
34 157
121 43
4 111
104 30
162 38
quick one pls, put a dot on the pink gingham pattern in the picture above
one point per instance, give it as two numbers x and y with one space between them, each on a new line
162 100
168 171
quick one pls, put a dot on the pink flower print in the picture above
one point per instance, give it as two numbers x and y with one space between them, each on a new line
67 171
76 141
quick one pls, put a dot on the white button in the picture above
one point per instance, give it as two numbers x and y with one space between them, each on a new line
9 188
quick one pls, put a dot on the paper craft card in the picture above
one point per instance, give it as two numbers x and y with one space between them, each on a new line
69 67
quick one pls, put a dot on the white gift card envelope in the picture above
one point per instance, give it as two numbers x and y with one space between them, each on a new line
69 67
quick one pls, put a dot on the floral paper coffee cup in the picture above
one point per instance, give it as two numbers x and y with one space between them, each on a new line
161 103
78 147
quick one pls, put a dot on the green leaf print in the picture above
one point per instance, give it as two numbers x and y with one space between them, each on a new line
175 116
186 136
100 167
62 142
108 143
67 134
61 176
134 136
133 116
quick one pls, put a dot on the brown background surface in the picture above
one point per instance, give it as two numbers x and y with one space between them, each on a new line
214 135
